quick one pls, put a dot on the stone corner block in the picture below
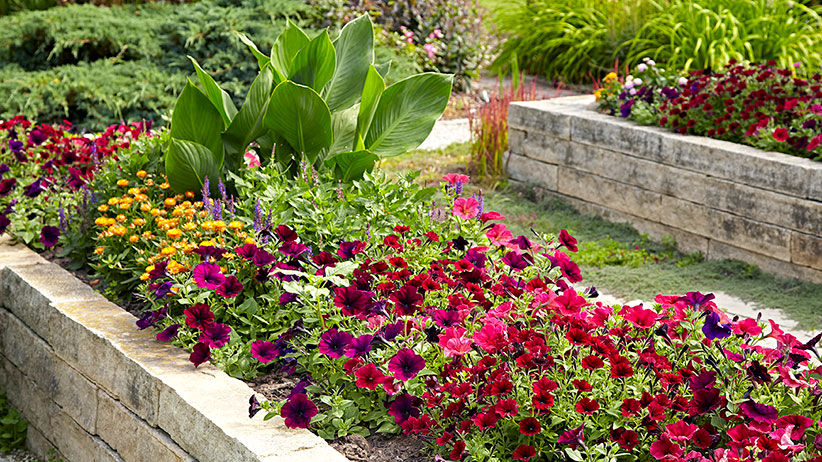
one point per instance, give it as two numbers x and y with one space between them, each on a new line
806 250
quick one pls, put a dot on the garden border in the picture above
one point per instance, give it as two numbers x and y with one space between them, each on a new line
722 199
94 388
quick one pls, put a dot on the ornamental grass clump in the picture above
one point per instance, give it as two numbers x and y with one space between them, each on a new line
771 108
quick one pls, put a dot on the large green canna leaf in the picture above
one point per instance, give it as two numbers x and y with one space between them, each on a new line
406 113
314 65
290 41
355 53
189 164
247 125
349 166
298 114
195 119
262 59
371 93
215 94
344 126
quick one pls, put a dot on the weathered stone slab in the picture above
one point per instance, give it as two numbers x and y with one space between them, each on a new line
604 131
762 238
719 250
31 400
541 116
542 147
815 184
40 446
598 190
532 171
132 438
806 250
76 444
16 255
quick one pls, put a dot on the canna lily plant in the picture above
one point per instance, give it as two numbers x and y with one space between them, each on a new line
315 100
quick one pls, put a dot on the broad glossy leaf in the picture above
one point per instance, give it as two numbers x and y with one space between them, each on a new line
384 69
355 53
215 94
371 93
314 65
247 125
298 114
406 113
262 59
290 41
349 166
188 164
344 126
195 119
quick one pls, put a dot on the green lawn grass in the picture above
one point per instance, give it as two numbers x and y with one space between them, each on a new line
616 258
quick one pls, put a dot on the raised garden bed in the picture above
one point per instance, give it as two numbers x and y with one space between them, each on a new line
721 199
96 389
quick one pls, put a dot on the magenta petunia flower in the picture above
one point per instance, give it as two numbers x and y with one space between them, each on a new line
208 275
298 411
347 249
516 261
759 412
201 354
406 364
573 437
293 249
199 316
168 333
246 251
567 240
351 301
359 346
262 257
403 407
466 208
333 343
49 236
264 351
230 288
216 335
285 234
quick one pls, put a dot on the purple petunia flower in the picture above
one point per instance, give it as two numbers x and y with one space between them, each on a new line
246 251
406 364
207 252
759 412
347 250
573 437
35 188
713 329
230 288
403 407
201 354
262 258
7 186
298 411
3 169
36 137
253 406
292 249
301 386
333 343
208 275
168 333
158 271
264 351
515 260
216 335
287 297
696 299
391 331
161 289
625 109
49 236
360 346
16 146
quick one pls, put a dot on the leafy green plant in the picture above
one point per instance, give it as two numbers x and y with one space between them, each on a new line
12 427
303 107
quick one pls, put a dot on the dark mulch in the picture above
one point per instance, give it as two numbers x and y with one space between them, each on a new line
374 448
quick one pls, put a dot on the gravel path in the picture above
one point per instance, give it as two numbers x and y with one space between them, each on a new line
446 133
18 456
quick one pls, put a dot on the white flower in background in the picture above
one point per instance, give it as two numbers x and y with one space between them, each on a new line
683 81
641 67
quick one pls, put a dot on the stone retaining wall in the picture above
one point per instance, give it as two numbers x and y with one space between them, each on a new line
94 388
722 199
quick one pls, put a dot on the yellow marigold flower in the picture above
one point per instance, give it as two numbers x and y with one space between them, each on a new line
218 225
144 276
142 174
174 233
133 238
186 204
122 182
121 218
145 207
134 191
198 204
118 230
113 200
102 208
168 251
147 235
190 226
206 225
125 205
140 197
170 202
139 222
178 212
175 267
165 185
149 182
149 268
99 250
101 221
189 194
235 225
202 213
249 240
610 76
155 212
208 242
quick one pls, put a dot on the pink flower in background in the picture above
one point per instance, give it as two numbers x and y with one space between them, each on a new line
251 160
499 234
466 208
430 49
454 343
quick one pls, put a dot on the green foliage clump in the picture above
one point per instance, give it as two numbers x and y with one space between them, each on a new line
582 39
12 427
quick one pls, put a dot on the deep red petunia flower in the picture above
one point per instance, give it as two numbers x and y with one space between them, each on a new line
587 406
49 236
298 411
780 134
264 351
524 452
230 288
201 354
592 362
567 240
199 316
216 335
369 376
529 426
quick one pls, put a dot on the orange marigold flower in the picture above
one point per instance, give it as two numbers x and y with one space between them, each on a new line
149 182
165 185
168 251
174 233
147 235
122 182
235 225
99 250
144 276
101 221
142 174
113 200
102 208
139 222
170 202
189 194
133 238
145 207
121 218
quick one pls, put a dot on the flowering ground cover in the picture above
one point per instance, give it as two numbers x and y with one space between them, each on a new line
771 108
